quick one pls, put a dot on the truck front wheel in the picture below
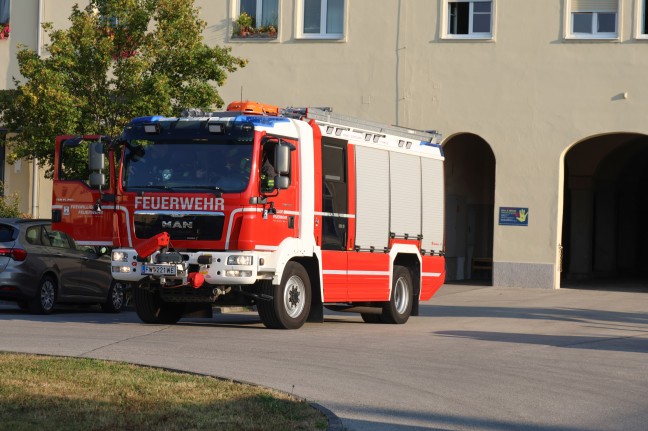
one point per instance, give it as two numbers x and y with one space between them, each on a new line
290 302
151 309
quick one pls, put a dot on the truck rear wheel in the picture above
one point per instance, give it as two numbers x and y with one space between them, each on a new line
399 307
151 309
290 305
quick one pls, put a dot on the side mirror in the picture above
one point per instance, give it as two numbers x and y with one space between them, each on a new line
96 163
282 158
281 183
282 165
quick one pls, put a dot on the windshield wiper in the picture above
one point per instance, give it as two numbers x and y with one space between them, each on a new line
199 187
156 187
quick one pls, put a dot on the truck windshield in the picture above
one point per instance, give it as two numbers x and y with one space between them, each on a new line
172 165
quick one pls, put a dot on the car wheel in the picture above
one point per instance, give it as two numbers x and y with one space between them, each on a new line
291 299
399 307
116 298
151 308
43 302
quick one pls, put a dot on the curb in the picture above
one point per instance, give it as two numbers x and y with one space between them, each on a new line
334 422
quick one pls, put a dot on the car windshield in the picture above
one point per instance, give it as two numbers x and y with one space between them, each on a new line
163 165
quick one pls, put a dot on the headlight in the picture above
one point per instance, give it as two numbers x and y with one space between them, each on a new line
121 269
119 256
232 273
239 260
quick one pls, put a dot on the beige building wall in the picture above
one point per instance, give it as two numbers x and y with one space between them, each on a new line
529 93
34 191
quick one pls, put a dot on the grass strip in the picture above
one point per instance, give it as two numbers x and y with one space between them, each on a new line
44 392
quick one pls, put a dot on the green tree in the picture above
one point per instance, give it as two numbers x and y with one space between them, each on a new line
119 59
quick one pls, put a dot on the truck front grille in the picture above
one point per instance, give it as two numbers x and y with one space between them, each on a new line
180 226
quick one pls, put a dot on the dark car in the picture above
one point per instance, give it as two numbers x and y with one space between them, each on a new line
41 267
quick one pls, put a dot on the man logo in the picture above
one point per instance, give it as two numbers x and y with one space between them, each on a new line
177 225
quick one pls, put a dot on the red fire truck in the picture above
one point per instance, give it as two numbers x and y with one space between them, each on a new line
288 210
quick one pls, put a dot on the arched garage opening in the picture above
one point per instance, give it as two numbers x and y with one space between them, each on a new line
604 213
470 201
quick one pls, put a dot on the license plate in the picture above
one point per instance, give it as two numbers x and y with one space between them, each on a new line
159 269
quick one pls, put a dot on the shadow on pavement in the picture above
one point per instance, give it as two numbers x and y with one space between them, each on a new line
558 314
439 421
617 344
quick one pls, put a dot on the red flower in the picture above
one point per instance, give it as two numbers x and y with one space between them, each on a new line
4 30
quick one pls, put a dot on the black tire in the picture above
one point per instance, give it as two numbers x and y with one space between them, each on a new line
371 318
116 298
291 301
151 309
399 307
45 299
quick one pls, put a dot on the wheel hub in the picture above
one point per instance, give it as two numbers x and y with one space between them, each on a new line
293 297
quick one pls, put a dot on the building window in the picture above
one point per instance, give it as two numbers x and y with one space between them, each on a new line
642 26
5 7
591 19
257 18
469 19
323 19
263 12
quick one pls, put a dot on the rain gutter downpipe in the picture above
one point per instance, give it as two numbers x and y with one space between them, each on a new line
36 168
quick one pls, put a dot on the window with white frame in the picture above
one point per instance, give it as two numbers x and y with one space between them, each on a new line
5 7
643 19
594 19
322 19
263 12
469 19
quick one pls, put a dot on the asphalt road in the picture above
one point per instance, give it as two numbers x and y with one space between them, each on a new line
478 358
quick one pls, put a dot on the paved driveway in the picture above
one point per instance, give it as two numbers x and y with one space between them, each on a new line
478 358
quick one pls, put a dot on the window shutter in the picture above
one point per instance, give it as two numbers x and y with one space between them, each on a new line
595 5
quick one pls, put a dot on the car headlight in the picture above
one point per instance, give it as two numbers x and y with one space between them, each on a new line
239 260
119 256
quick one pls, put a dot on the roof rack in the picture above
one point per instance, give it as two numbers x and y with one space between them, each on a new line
326 115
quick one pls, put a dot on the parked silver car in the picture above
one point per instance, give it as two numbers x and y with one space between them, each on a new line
40 267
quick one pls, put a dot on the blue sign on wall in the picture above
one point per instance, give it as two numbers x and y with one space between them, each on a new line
513 216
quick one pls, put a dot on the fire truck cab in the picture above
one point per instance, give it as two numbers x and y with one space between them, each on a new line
287 210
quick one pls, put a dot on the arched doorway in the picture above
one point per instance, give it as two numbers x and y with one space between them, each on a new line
605 205
470 202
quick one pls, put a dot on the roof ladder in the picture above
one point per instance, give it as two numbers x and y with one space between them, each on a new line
326 115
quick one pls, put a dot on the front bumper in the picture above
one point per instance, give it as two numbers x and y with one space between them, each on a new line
212 265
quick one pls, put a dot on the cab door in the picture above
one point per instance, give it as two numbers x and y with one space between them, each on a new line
335 219
79 209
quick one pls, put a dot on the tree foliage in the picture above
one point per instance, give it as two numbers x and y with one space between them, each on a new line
119 59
